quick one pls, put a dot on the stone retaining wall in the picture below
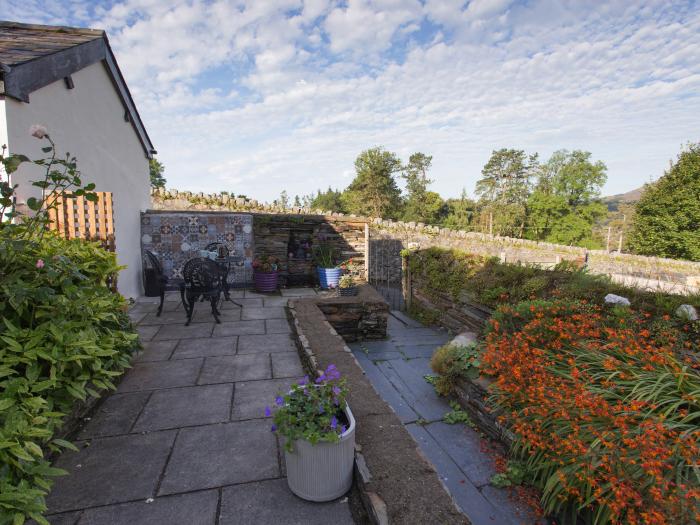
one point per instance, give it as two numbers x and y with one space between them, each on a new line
359 318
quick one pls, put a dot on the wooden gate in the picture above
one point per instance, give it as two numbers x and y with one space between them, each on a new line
78 218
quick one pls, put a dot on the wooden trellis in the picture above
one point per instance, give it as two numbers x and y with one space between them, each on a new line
78 218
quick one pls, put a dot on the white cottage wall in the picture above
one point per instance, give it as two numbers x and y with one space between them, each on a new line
88 121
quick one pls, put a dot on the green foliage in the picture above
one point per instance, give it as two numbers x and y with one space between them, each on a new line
457 415
325 254
421 205
65 337
460 213
516 473
444 270
155 170
565 203
330 200
667 219
374 192
452 362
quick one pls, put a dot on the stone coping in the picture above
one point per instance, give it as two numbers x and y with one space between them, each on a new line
397 483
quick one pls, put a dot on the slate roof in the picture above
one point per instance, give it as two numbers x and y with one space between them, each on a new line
33 56
20 43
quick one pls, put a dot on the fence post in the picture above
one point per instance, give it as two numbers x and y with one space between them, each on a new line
406 282
367 272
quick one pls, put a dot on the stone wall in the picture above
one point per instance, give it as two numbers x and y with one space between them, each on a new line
359 318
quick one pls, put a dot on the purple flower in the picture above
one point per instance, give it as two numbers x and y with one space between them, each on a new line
279 401
320 409
321 379
336 390
343 428
335 401
273 428
268 412
334 422
304 381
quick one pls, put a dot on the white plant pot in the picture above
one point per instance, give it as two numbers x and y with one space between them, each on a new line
322 472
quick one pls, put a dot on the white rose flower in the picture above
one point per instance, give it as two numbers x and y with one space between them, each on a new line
38 131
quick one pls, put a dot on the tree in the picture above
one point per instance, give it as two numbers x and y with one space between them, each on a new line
297 201
565 203
330 200
374 192
417 207
460 212
667 218
504 188
156 170
283 201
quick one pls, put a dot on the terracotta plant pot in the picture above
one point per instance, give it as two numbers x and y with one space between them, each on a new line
265 281
329 277
322 472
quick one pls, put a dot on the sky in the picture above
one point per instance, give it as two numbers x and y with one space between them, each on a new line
257 96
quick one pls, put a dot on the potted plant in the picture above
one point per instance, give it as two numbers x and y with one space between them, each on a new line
318 430
325 257
346 286
265 273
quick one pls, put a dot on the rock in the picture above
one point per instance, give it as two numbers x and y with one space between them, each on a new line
463 339
611 298
687 312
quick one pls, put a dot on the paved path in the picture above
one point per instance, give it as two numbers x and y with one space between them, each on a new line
182 441
397 369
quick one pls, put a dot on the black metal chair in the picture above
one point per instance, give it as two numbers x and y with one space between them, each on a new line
154 280
223 253
202 278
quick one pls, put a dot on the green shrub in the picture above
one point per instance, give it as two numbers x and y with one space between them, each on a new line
64 337
453 362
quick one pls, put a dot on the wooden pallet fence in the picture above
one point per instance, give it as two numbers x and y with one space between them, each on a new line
78 218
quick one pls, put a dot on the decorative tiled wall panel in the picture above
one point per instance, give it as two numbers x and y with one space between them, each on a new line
176 237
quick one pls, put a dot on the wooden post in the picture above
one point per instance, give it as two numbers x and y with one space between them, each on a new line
406 282
622 232
367 271
491 223
607 243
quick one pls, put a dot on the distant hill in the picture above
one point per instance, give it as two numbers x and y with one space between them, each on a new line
613 201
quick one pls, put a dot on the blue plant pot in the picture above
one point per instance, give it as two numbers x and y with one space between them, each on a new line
329 277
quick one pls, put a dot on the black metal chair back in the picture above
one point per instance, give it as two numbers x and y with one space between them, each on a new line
202 278
154 279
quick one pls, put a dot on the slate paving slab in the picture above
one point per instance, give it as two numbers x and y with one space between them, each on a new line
269 343
252 397
65 518
156 351
181 407
146 333
272 502
275 301
197 508
278 326
110 470
116 415
180 331
216 455
298 292
271 312
286 364
239 328
227 369
422 401
205 347
161 374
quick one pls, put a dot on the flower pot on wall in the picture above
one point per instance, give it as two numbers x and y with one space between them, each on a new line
265 281
329 277
322 472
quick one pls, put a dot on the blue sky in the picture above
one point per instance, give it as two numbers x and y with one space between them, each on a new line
258 96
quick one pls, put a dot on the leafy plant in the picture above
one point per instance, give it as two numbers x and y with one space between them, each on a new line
325 255
604 410
346 281
453 362
457 415
311 411
515 474
266 264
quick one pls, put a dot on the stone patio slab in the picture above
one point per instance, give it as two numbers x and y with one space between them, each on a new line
65 518
146 333
216 455
278 326
286 364
272 343
248 302
188 406
275 301
173 317
205 347
116 415
227 369
239 328
272 502
272 312
252 397
110 470
197 508
161 374
180 331
156 351
298 292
